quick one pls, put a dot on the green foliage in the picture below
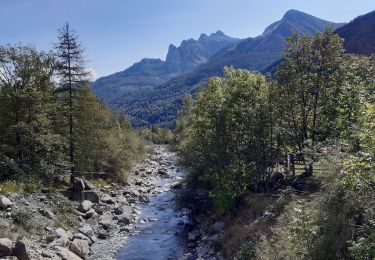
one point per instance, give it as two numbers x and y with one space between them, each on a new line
157 135
231 136
35 124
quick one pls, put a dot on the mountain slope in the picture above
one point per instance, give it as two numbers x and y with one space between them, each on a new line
149 73
359 35
159 105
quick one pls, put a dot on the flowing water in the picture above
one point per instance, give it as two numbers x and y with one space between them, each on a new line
160 234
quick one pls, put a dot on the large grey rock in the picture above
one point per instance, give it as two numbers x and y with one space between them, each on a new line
5 247
87 230
65 254
85 206
80 247
20 251
106 220
5 202
107 199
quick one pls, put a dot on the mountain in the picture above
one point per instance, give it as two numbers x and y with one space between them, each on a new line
359 35
159 105
149 73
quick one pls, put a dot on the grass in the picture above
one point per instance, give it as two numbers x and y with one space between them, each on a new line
10 187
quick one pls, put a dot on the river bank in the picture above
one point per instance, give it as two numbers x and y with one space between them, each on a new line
52 227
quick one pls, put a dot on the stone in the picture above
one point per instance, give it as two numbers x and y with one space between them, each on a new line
80 248
107 199
218 226
103 234
47 254
85 206
47 213
268 214
20 251
65 254
124 219
106 220
91 213
5 202
5 247
87 230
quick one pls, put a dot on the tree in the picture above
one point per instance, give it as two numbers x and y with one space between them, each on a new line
310 81
71 70
28 111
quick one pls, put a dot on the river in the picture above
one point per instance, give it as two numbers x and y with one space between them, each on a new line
159 233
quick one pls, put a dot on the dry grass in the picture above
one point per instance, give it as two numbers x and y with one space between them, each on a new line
249 223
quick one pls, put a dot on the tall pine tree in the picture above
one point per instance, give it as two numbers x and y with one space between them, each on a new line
72 73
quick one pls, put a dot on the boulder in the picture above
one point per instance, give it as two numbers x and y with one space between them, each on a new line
5 247
85 206
65 254
107 199
80 247
47 254
89 214
5 202
106 220
20 251
87 230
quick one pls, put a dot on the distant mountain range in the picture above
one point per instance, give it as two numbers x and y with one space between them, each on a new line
149 73
155 97
359 34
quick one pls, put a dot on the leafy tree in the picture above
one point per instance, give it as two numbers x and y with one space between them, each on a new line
310 82
28 112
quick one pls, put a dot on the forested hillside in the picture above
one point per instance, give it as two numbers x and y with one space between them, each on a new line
159 105
245 135
359 34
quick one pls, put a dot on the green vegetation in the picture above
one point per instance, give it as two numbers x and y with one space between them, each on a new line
242 127
49 128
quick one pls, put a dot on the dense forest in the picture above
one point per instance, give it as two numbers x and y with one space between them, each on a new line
51 124
240 135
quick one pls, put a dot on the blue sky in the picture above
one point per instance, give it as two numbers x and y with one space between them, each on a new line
117 33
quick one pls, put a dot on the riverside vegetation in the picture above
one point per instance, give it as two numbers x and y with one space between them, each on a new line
236 136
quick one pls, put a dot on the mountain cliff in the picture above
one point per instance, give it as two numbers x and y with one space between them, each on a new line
149 73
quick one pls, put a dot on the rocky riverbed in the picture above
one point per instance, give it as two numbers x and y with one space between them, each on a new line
139 220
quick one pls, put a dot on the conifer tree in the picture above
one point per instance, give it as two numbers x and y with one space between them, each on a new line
72 73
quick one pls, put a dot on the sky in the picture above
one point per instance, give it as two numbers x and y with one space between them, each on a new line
118 33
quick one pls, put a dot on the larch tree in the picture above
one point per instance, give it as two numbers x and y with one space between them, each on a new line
72 74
